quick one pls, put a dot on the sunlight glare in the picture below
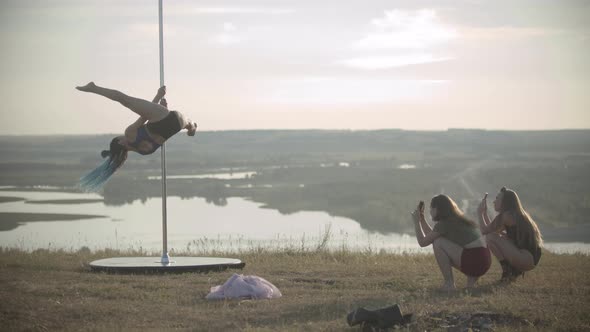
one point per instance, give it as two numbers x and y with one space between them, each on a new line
339 91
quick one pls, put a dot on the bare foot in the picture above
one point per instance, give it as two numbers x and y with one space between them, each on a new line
471 281
447 288
87 88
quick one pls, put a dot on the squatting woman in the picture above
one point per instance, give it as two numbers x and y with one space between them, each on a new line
513 236
457 241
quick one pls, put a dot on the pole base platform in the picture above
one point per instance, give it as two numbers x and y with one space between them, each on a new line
154 264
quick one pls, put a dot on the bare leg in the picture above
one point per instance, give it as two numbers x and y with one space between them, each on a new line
491 240
504 249
151 111
471 281
447 254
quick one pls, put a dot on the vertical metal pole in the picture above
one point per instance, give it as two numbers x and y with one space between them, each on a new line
165 258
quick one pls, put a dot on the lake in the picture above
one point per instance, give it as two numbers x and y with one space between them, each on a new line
193 225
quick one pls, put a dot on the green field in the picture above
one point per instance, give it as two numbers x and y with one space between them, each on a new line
55 290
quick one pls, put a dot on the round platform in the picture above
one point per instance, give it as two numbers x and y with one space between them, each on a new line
154 264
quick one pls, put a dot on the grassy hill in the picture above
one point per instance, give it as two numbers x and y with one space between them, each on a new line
55 290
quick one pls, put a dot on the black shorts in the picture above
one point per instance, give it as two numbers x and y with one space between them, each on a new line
166 127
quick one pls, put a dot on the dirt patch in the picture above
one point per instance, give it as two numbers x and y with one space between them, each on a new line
478 321
315 281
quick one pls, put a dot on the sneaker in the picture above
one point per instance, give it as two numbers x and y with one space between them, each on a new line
390 316
361 315
507 272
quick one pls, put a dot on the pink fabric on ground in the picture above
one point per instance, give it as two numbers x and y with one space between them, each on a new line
239 286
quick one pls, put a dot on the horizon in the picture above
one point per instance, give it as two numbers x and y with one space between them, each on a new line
298 65
492 130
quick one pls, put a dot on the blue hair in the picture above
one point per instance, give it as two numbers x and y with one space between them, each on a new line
95 180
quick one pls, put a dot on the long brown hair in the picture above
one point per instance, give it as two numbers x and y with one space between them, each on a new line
448 211
527 231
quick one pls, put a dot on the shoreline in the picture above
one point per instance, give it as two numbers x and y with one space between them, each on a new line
9 221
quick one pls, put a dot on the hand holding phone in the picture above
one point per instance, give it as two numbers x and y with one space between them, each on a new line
483 205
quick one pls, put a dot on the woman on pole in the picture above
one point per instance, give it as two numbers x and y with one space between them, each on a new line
155 125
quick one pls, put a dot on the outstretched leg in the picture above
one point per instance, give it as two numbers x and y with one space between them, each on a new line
151 111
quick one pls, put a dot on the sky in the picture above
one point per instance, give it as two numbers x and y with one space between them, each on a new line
298 64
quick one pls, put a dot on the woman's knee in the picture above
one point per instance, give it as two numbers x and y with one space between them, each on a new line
493 238
442 244
445 247
438 243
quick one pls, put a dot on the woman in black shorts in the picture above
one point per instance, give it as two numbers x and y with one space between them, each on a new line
513 235
155 125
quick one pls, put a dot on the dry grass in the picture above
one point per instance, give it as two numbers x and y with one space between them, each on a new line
55 290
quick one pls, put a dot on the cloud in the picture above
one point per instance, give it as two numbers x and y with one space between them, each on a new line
400 29
348 90
384 62
241 10
228 36
402 38
508 33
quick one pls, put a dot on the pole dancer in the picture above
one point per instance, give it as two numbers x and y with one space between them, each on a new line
155 125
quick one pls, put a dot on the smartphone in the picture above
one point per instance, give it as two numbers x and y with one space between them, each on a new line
485 196
421 206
